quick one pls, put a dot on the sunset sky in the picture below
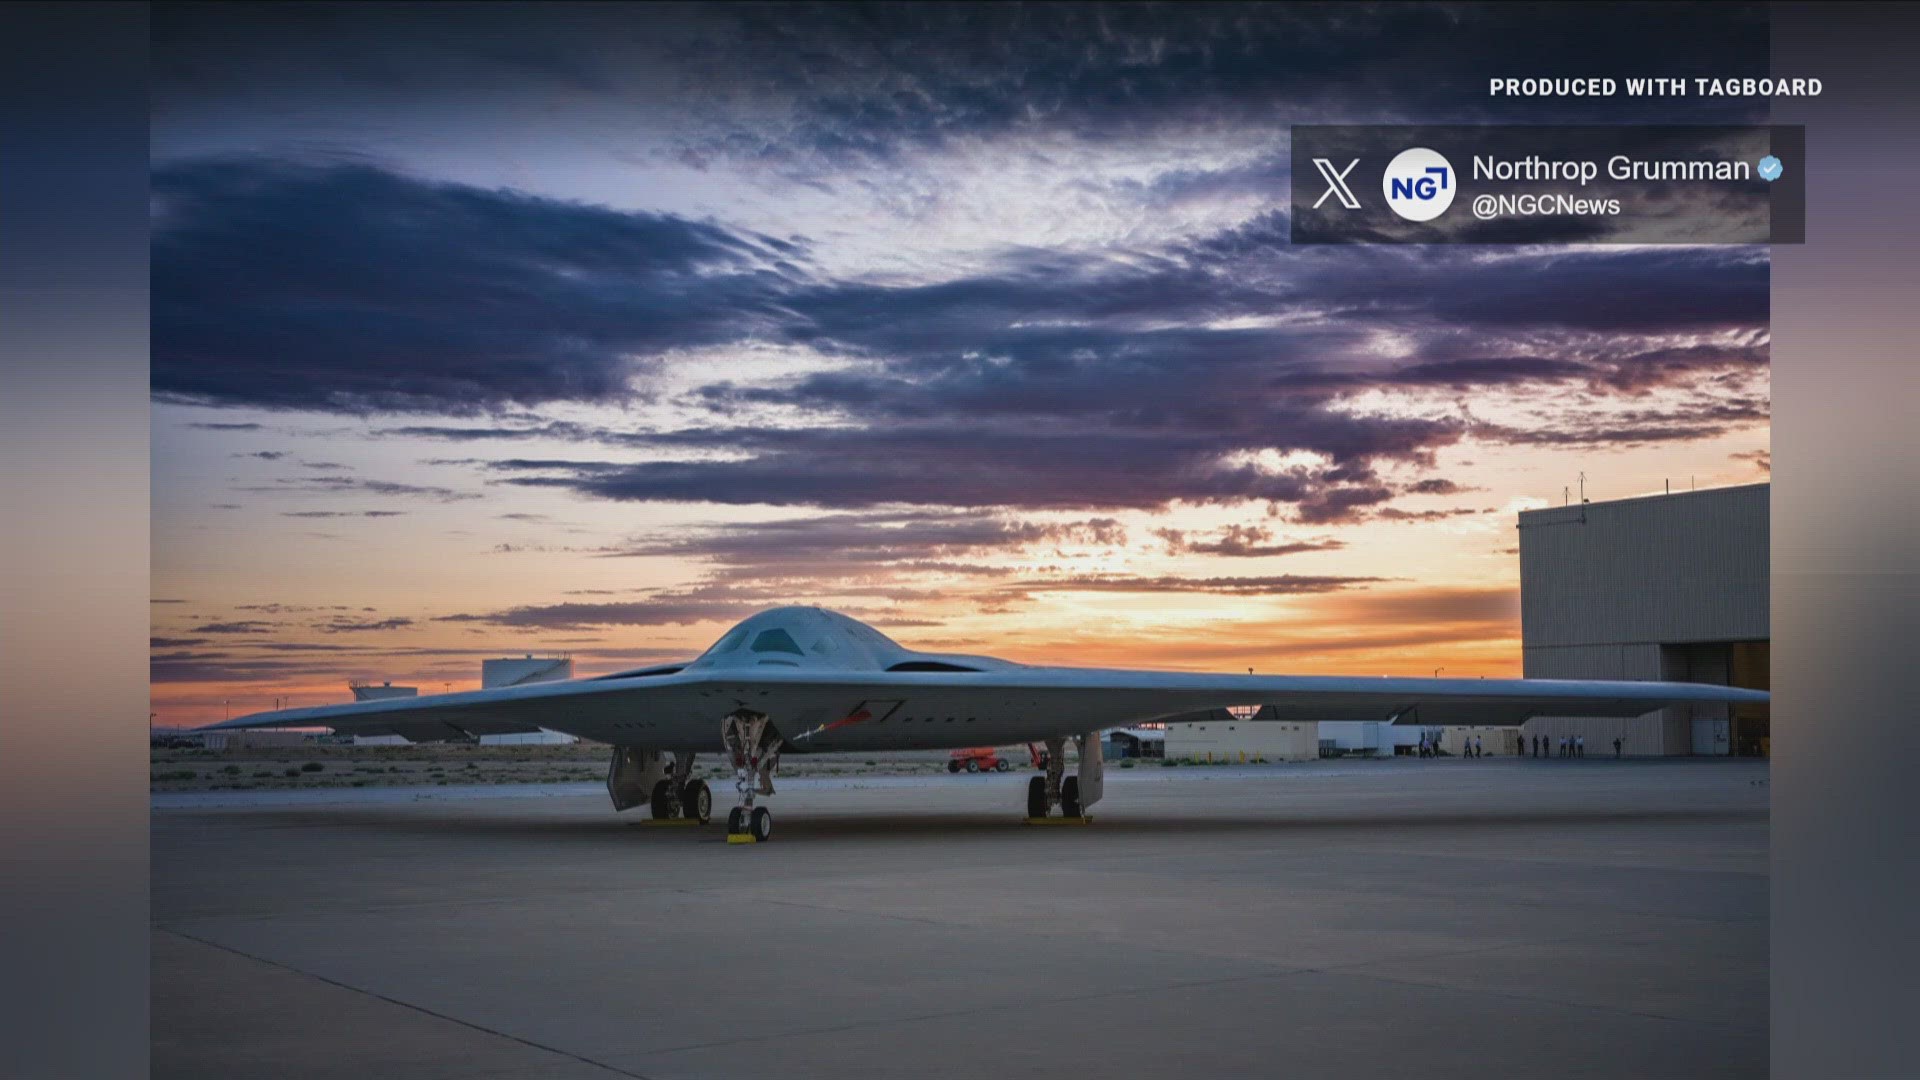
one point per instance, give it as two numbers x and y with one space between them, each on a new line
593 330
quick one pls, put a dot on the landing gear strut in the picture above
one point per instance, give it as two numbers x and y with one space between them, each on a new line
1072 794
754 747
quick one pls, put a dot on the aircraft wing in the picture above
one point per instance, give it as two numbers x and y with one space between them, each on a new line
828 709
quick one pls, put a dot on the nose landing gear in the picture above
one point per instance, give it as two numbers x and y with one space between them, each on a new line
754 747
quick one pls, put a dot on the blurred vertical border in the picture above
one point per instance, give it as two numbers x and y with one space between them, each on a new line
1845 965
73 540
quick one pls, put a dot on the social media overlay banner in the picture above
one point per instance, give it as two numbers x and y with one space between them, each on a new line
1549 185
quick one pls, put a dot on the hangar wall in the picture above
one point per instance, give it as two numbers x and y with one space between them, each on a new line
1243 740
1658 587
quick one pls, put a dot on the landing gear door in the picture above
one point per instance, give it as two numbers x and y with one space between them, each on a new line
1093 768
632 774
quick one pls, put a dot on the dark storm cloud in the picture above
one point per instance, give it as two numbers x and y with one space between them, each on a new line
1394 513
812 86
239 627
1058 381
343 513
348 626
1049 380
726 602
1057 364
470 299
839 546
1576 427
577 615
1272 585
1606 292
1242 542
359 485
963 468
351 289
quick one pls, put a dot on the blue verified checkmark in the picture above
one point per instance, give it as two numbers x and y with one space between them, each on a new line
1770 168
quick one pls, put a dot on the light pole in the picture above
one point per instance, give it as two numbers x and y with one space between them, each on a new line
1437 671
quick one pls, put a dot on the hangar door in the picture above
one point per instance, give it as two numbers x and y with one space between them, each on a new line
1716 729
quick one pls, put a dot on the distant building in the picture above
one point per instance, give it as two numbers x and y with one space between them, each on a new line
1661 587
521 671
251 740
1240 735
1134 743
1494 741
1367 738
370 692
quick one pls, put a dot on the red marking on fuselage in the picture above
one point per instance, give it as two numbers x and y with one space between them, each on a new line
852 718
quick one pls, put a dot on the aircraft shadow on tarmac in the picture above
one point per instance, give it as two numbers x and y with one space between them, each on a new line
800 827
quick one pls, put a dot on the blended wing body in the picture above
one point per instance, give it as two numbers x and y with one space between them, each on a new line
827 682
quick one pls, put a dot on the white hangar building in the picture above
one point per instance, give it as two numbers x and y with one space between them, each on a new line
1661 587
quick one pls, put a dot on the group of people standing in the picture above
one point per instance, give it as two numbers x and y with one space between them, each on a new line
1569 746
1469 748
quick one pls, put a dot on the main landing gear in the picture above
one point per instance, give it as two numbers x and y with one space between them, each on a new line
671 792
754 748
682 796
1072 794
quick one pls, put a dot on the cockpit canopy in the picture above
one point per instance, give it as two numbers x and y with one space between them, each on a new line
811 637
801 637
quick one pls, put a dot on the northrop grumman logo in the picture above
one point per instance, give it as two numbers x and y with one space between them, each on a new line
1419 184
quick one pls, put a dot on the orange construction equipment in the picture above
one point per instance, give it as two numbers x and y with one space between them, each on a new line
987 759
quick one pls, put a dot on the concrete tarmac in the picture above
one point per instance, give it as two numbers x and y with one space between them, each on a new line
1449 919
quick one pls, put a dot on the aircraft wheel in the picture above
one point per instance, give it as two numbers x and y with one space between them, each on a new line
761 824
736 821
973 766
1037 797
664 804
1070 797
1000 766
696 801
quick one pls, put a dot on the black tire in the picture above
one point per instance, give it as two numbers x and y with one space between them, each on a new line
664 804
761 824
1037 797
973 766
696 801
1001 765
953 766
1070 797
736 821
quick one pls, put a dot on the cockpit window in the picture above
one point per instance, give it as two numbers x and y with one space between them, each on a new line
776 640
